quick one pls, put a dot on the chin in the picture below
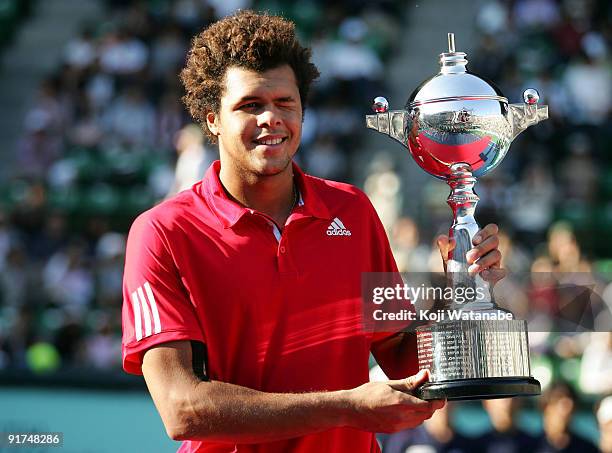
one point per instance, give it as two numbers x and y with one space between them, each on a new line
273 167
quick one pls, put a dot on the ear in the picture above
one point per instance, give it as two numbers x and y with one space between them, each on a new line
212 121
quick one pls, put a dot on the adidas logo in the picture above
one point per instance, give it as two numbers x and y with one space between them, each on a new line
337 228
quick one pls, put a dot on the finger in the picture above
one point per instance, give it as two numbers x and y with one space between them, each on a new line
485 262
417 405
490 230
410 383
490 243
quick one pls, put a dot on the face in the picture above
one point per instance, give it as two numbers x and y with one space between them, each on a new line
259 121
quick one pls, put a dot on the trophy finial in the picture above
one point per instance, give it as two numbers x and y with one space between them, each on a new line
531 96
452 62
381 105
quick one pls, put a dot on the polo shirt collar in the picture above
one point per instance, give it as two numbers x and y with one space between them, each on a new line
229 212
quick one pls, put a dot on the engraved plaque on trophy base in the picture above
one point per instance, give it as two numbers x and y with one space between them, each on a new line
475 359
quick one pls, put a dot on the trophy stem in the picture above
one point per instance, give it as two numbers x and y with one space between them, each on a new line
463 200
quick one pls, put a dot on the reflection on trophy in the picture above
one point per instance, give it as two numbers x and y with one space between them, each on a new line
459 127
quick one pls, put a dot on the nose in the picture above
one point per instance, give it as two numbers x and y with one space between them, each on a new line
269 117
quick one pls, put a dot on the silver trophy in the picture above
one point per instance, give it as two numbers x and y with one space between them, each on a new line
458 127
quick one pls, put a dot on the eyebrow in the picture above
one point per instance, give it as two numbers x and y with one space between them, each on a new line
256 98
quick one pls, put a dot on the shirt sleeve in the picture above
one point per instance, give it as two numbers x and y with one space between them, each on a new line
156 305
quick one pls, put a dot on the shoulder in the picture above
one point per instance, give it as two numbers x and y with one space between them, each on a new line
165 216
338 194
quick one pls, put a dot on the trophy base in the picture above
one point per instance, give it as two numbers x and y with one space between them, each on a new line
477 389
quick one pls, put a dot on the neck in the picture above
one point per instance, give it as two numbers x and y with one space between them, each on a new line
272 195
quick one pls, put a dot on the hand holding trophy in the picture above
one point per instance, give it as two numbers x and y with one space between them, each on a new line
459 127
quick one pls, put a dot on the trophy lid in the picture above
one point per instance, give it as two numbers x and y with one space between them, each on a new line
454 81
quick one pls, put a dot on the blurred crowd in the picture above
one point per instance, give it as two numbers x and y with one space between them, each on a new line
508 432
107 137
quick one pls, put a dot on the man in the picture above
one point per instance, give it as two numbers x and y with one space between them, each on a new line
604 420
436 435
505 436
558 405
242 295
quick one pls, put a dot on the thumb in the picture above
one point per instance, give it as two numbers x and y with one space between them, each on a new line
411 383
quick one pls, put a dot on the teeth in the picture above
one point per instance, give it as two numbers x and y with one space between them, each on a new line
275 141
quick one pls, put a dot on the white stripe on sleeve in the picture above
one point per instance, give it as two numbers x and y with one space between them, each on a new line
137 322
156 320
146 313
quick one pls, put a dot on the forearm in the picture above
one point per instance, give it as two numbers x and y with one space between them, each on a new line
192 409
225 412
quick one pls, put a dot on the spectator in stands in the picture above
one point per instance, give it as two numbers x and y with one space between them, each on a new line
578 173
350 59
81 51
506 436
130 120
8 236
588 81
40 146
325 159
168 50
436 435
409 253
52 237
604 418
169 120
69 280
533 196
535 14
86 129
101 346
109 258
193 158
121 53
596 364
558 406
383 186
15 278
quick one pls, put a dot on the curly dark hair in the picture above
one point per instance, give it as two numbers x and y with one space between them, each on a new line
248 40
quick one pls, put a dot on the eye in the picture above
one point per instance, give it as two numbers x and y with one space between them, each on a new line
286 103
250 106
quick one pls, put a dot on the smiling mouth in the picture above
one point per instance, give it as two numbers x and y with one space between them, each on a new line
270 141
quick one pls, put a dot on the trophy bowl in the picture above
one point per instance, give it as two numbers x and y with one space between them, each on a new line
457 117
458 126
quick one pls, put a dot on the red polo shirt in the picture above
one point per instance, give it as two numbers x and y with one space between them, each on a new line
277 313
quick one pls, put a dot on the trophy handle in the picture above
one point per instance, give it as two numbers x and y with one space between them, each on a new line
528 113
463 200
393 123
